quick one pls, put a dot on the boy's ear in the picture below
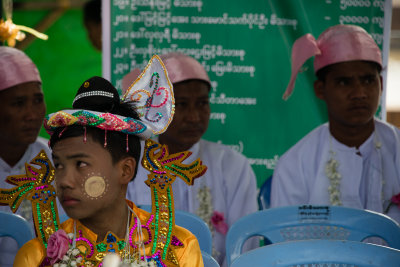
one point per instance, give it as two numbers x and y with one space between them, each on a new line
128 167
319 89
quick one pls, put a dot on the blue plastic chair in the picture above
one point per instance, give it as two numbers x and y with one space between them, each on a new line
311 222
264 195
208 260
16 227
194 224
320 253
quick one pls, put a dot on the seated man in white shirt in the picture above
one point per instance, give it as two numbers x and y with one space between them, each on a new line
22 111
353 160
228 190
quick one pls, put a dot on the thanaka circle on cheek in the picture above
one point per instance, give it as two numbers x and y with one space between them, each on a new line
95 186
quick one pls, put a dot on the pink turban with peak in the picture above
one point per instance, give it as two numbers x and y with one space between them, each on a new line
180 68
16 68
336 44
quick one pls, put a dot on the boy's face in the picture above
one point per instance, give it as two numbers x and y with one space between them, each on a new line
351 91
87 182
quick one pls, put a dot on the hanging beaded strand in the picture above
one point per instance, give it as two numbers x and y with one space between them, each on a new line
62 131
84 135
127 143
105 138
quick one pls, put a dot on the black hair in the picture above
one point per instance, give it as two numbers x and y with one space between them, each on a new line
322 73
92 11
116 141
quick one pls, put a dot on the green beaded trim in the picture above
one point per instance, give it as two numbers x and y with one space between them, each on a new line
53 212
101 247
156 221
42 235
169 224
21 194
121 245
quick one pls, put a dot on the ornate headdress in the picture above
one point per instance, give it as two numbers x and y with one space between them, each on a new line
336 44
152 94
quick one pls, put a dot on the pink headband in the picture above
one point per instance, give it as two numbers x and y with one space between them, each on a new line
336 44
180 68
16 68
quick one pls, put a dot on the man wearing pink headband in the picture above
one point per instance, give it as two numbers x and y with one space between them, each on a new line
353 160
227 191
22 111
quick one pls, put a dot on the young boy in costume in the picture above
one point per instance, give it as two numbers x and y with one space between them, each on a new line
96 151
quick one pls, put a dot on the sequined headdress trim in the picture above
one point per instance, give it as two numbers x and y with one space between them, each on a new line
105 121
152 93
102 93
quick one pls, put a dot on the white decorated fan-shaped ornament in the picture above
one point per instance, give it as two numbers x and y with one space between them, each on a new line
153 93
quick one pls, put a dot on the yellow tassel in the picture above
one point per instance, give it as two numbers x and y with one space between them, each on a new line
11 33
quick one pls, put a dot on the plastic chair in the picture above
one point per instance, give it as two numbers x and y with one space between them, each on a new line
264 195
194 224
311 222
208 260
320 253
16 227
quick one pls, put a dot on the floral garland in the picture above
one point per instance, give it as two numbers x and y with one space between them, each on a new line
331 171
214 219
205 209
62 252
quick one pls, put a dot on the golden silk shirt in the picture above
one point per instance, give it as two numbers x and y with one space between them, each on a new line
187 252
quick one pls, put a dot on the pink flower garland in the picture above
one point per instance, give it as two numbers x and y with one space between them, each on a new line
218 221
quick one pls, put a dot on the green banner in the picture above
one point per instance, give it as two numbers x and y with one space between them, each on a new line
245 47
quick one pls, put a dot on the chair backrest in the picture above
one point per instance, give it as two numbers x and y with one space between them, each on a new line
194 224
311 222
264 195
208 260
16 227
320 253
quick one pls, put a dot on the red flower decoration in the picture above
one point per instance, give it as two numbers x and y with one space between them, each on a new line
396 200
57 246
218 221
